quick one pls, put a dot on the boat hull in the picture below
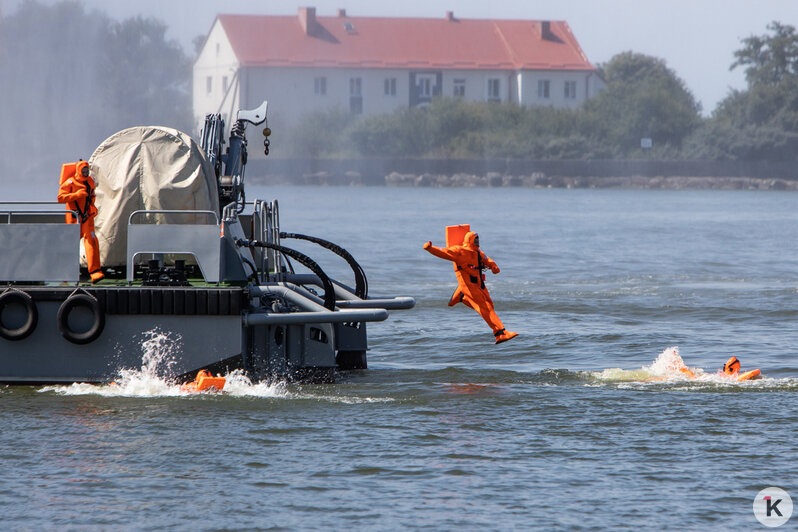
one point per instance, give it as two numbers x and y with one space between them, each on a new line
169 332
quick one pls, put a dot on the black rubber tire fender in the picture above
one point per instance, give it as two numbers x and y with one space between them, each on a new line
32 320
70 304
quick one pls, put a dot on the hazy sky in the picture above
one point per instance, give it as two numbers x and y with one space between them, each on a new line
696 37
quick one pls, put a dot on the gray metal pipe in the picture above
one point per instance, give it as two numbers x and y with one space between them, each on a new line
289 292
315 313
396 303
346 299
304 292
341 290
340 316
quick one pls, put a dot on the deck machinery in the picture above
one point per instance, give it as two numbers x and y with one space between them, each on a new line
218 286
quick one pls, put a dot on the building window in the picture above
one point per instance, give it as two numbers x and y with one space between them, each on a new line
494 90
424 87
356 87
459 88
543 88
224 84
356 95
218 48
208 84
570 90
320 86
390 87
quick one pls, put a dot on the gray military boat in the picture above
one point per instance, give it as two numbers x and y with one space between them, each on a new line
185 255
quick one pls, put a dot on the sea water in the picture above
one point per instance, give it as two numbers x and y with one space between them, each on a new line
583 422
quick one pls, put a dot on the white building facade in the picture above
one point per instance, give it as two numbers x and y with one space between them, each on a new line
326 64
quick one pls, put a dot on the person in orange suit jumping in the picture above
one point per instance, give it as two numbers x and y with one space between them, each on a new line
77 191
469 262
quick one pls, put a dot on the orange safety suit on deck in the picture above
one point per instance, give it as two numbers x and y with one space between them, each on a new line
77 191
469 262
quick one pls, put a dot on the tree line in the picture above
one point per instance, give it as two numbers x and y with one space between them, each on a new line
69 78
643 98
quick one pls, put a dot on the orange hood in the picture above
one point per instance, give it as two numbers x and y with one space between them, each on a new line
469 241
79 170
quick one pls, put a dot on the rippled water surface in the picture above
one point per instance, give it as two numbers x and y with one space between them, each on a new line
582 422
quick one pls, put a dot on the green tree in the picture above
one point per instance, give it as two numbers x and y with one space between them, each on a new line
643 98
319 134
769 59
47 98
69 78
405 133
761 122
147 76
771 69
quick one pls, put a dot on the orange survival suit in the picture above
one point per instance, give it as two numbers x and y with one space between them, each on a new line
732 366
77 191
469 262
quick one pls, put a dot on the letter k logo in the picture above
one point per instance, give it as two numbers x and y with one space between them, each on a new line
772 506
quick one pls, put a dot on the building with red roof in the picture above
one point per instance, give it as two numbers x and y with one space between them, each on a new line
374 65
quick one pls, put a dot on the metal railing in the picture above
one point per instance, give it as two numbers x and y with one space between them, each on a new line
198 240
170 211
9 213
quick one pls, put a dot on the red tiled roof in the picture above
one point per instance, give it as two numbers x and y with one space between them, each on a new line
372 42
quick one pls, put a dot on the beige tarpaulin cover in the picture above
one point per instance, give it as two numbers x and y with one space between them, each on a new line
147 168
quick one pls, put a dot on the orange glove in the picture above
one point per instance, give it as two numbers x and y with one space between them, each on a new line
428 244
495 270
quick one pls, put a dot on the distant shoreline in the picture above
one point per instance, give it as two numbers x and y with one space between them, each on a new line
497 173
535 181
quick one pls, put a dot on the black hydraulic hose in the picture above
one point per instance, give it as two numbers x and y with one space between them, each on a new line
290 264
361 283
254 274
329 290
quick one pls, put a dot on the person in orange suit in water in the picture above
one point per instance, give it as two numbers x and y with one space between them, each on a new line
469 262
732 366
77 191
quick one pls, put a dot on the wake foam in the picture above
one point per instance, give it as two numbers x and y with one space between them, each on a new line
669 368
160 351
137 383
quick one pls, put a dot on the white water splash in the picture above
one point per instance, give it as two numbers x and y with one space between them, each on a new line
144 383
669 363
669 367
136 384
160 352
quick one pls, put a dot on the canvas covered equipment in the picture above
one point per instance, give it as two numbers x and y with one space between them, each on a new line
147 168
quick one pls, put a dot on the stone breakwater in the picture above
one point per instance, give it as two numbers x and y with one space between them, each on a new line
535 180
